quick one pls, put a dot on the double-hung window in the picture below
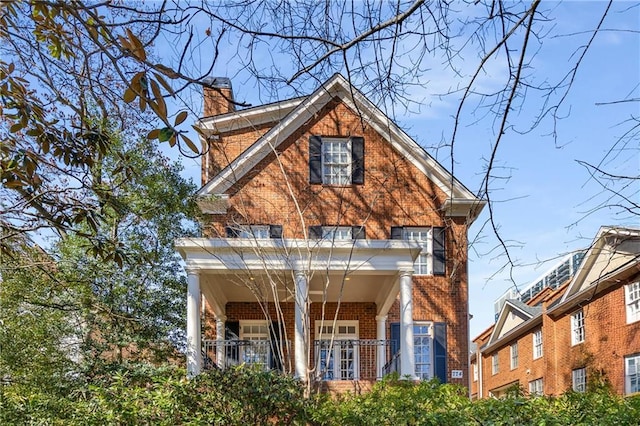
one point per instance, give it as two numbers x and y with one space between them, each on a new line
495 366
537 344
423 349
577 327
514 355
336 161
579 379
632 374
333 233
536 387
431 260
632 301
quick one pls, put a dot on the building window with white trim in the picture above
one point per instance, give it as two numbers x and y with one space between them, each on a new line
475 372
336 161
536 387
579 379
423 349
431 260
537 344
336 353
632 301
577 327
258 351
495 366
514 355
632 374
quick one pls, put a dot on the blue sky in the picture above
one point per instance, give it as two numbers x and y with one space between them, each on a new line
543 197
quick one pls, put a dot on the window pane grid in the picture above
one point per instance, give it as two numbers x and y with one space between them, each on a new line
577 327
537 344
579 380
633 302
337 232
422 341
632 374
422 265
514 355
336 162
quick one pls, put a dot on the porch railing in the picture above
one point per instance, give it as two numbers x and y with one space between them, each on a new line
225 353
350 359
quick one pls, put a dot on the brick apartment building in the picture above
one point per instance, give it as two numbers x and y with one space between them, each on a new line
569 334
334 247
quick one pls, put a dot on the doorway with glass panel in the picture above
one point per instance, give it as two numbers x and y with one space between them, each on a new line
337 352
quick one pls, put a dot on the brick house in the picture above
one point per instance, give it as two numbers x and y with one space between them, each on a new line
584 330
334 247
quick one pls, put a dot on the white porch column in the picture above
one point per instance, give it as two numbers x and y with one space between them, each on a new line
381 335
301 350
194 338
407 356
220 349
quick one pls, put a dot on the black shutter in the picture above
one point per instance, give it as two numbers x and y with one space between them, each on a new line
357 159
440 351
315 159
439 260
394 337
275 231
231 232
396 232
315 232
232 332
358 233
275 361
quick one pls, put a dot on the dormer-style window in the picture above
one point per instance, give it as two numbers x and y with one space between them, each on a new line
254 231
336 161
333 233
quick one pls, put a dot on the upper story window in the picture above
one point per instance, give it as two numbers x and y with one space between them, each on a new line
514 355
333 233
632 374
431 260
579 379
632 301
537 344
254 231
577 327
336 161
475 372
495 366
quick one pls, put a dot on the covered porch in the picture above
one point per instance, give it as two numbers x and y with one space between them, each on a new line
304 289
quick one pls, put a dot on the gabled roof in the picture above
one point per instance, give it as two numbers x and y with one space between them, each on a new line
614 251
513 314
292 114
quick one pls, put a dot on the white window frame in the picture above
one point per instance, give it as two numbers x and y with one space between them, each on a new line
579 379
475 372
255 354
341 332
334 233
536 387
514 355
423 349
632 301
577 327
336 161
537 344
257 232
423 235
495 364
632 374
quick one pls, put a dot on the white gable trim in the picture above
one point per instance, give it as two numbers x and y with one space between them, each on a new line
502 318
592 255
459 196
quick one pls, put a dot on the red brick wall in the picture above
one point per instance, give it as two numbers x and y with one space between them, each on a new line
608 339
395 192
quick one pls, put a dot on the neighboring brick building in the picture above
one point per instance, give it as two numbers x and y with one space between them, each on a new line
585 330
334 247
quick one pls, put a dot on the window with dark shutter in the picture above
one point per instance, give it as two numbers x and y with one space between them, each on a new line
231 232
397 232
357 157
315 159
439 260
315 232
275 231
358 233
440 351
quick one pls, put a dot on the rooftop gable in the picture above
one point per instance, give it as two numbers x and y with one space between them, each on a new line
291 115
614 251
513 314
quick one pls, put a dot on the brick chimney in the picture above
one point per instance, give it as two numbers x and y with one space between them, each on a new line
218 96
